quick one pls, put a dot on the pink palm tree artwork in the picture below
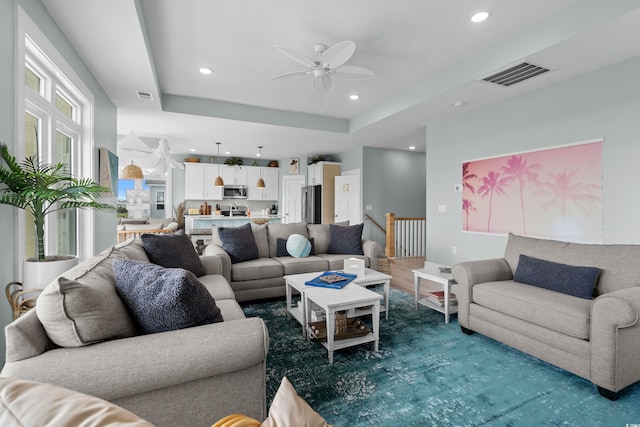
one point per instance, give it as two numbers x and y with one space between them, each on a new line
550 193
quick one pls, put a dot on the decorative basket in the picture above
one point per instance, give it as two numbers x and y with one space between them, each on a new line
354 328
259 221
384 265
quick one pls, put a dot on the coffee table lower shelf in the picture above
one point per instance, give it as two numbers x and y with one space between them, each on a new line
453 308
355 329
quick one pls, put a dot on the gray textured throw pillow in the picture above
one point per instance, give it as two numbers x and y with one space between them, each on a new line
173 251
163 299
345 240
239 243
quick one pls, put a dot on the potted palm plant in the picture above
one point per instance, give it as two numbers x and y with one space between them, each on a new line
40 189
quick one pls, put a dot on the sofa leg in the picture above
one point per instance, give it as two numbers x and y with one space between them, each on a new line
611 395
466 331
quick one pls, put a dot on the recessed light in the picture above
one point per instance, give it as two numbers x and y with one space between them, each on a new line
479 16
206 71
227 152
354 97
412 147
459 104
193 150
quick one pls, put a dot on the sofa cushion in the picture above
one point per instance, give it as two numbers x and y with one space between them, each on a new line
133 249
163 299
568 279
172 251
261 268
320 235
239 243
345 240
309 264
336 261
283 231
262 239
552 310
83 307
230 309
217 286
30 403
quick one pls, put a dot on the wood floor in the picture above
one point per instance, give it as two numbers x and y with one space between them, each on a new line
402 276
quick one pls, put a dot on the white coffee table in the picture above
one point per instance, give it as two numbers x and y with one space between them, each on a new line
431 272
349 298
297 282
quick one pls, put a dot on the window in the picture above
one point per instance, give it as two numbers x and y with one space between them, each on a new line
57 113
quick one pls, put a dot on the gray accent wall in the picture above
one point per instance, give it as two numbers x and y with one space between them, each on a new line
392 181
104 128
601 104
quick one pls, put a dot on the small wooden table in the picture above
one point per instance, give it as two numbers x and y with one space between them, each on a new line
431 271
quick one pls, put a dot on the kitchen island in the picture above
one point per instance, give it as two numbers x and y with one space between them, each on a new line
198 227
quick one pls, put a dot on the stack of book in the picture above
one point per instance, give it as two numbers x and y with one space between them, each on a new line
437 298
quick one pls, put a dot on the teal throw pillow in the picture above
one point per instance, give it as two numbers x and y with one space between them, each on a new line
298 246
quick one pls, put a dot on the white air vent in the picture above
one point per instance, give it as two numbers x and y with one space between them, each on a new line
145 95
516 74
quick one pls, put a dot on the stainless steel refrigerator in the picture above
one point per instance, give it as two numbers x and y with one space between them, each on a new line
312 204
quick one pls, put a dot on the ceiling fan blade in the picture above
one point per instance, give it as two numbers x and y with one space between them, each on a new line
295 56
290 75
322 83
338 54
352 72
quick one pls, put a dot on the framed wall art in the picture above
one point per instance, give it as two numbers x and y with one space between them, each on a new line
554 192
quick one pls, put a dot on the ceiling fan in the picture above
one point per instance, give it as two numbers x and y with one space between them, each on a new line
327 63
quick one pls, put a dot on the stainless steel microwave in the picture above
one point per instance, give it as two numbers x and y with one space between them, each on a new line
234 192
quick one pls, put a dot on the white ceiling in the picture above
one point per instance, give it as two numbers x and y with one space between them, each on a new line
426 55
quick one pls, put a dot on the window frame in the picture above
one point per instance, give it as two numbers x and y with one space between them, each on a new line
36 52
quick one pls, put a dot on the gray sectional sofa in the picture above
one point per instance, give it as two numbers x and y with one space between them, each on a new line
193 376
263 277
596 338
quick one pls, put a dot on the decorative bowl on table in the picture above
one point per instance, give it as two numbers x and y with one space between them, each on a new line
259 221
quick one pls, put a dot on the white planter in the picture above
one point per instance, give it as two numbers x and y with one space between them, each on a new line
37 275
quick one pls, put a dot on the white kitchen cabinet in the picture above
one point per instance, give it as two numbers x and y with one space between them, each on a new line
199 180
270 177
322 173
234 175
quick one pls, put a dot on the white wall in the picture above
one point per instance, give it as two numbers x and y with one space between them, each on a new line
104 129
604 103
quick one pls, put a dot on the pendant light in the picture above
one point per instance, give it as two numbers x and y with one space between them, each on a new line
260 183
219 182
132 172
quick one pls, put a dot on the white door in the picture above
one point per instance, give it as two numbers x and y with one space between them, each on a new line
292 198
347 198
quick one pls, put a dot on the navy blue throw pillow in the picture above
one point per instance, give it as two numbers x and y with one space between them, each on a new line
163 299
281 247
568 279
345 239
172 251
239 243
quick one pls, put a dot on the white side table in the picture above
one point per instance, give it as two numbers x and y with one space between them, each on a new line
431 272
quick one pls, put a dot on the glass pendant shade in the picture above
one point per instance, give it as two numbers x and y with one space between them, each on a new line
132 172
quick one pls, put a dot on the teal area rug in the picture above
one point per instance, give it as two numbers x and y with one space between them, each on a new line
427 373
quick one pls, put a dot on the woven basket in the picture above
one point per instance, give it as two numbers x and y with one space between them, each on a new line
384 265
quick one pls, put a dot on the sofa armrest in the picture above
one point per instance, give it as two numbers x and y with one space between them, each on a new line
371 250
212 264
615 339
215 250
470 273
121 368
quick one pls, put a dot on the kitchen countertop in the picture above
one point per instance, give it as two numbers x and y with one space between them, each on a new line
232 217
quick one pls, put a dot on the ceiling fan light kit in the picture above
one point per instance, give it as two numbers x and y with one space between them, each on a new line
326 64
